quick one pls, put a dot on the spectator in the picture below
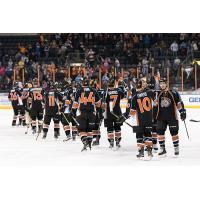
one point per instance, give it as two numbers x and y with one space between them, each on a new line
46 50
145 66
146 41
136 41
194 46
177 62
105 79
174 48
2 72
183 48
37 50
91 58
78 78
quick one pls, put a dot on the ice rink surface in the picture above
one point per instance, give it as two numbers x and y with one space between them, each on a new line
17 148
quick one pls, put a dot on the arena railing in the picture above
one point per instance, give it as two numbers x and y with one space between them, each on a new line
186 79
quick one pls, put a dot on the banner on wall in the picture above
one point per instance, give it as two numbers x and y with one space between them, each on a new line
190 101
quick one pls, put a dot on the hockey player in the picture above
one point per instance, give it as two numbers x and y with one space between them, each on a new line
98 117
52 110
111 105
26 102
66 117
36 96
15 96
88 102
140 108
168 102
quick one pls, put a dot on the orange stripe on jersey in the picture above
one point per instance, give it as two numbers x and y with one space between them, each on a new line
66 128
148 143
175 138
140 145
117 134
82 134
89 134
111 135
161 137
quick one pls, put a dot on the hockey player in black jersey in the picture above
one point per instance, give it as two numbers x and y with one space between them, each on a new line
66 117
87 101
111 105
15 96
168 102
36 97
140 108
52 110
26 102
98 116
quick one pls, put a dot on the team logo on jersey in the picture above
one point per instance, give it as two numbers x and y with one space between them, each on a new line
165 102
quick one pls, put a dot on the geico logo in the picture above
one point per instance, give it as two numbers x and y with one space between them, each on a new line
194 99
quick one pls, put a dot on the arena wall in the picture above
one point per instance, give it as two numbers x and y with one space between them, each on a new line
190 101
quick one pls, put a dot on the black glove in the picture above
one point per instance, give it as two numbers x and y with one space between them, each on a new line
182 114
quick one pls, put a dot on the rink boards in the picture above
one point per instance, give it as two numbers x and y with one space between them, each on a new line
190 101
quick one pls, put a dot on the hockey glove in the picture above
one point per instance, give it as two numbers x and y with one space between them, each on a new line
182 114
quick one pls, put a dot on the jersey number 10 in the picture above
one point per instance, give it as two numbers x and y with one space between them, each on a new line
144 104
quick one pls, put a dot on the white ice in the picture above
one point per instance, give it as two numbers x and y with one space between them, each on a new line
17 148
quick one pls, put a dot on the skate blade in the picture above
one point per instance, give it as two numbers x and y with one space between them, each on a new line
116 148
140 158
65 140
162 156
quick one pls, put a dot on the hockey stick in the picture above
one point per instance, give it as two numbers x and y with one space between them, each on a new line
186 130
75 121
124 121
193 120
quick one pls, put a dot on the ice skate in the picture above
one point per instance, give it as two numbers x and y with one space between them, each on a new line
34 131
39 129
155 148
140 155
176 151
84 146
68 137
44 135
162 152
111 144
